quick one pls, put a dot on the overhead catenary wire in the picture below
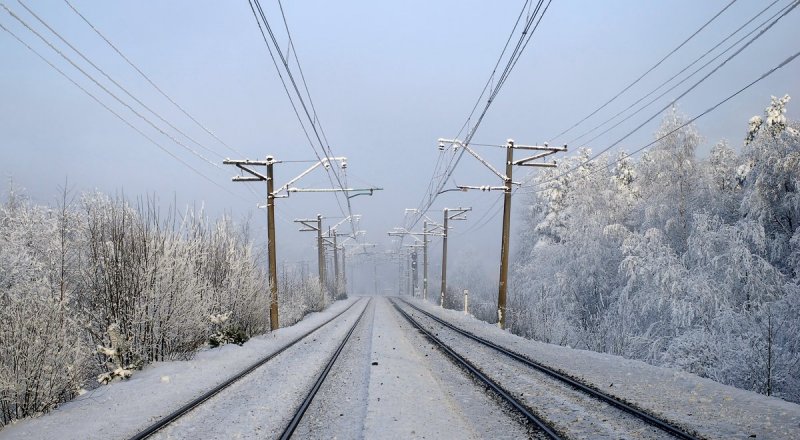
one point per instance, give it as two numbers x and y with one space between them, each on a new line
524 38
120 117
302 75
314 121
479 225
640 109
436 182
687 91
521 44
766 74
255 5
116 83
652 68
149 80
104 88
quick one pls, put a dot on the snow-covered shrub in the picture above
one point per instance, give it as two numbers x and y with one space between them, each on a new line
104 273
43 356
223 332
114 355
298 297
234 282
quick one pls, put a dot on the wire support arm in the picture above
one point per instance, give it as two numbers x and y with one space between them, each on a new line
474 154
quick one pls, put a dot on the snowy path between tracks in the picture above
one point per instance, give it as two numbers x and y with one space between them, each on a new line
711 409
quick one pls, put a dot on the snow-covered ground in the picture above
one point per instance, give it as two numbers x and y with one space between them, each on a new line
711 409
123 408
390 382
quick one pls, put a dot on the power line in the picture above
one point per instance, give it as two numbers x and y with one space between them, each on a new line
302 75
524 39
572 141
636 81
94 80
430 193
255 4
690 121
147 78
91 63
129 124
687 91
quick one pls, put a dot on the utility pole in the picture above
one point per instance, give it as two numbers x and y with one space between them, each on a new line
414 276
353 236
504 242
425 233
254 176
531 161
339 280
458 214
311 225
335 265
425 260
401 232
273 269
413 279
344 269
321 257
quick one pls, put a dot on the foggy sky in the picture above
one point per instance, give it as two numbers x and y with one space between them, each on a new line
387 79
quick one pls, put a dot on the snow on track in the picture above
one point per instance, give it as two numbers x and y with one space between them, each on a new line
123 408
569 411
261 404
709 408
416 392
339 407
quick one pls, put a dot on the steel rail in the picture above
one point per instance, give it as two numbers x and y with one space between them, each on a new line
300 412
505 395
157 426
607 398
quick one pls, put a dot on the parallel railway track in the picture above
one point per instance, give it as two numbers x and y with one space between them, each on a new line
301 410
183 410
662 425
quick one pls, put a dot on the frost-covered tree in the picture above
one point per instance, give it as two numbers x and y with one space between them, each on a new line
669 180
771 195
98 288
43 358
568 257
671 259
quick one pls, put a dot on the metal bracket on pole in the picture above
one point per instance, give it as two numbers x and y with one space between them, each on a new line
507 178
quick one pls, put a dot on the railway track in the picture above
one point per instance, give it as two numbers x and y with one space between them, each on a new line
188 407
506 396
301 410
538 419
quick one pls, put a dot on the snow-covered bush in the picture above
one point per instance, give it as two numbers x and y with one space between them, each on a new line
91 291
298 296
43 356
115 354
223 332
